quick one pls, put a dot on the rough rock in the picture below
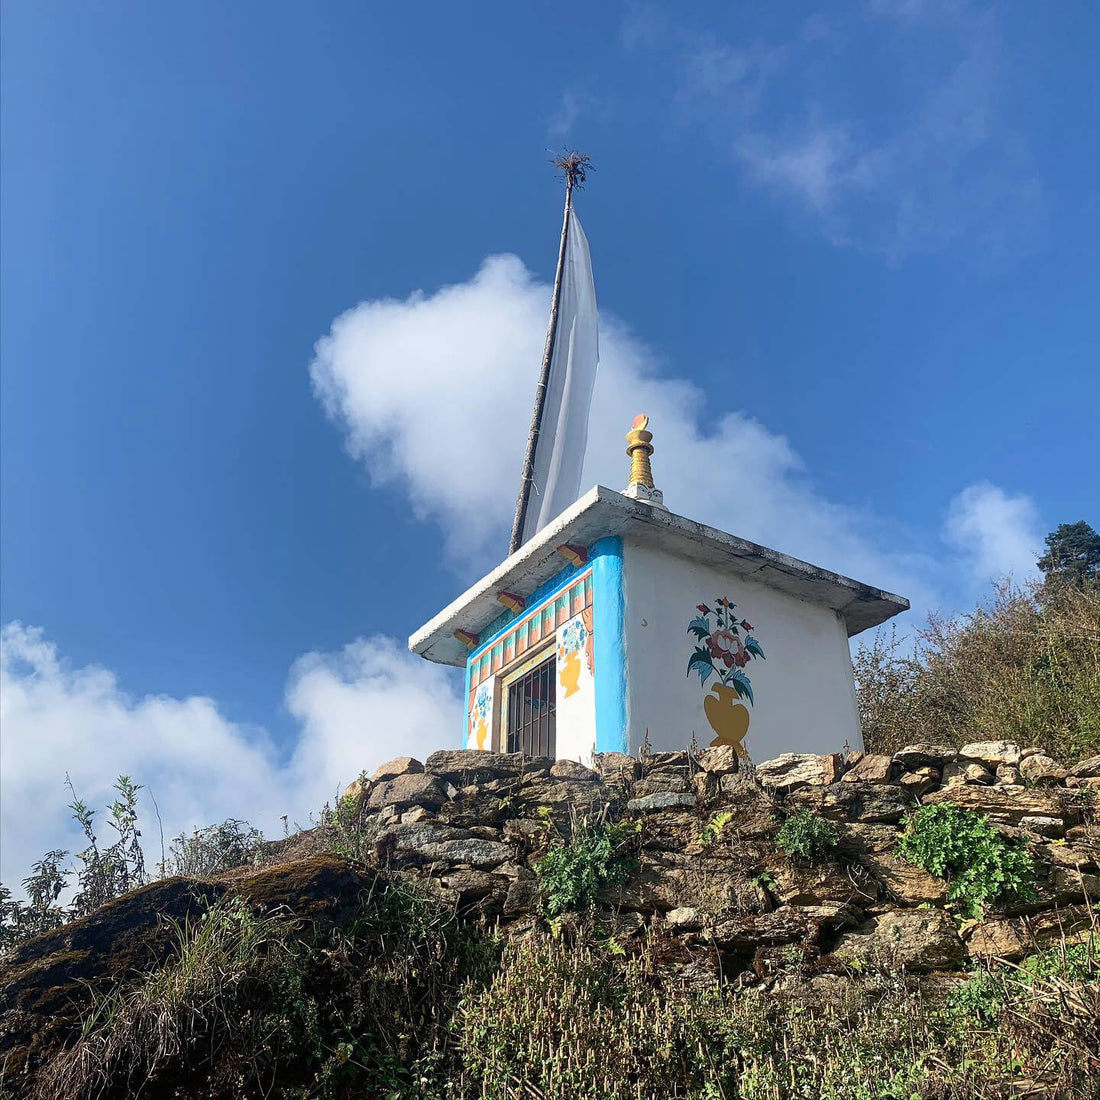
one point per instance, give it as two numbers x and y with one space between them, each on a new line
788 924
409 836
1041 770
1014 806
719 759
1008 773
616 766
858 838
684 919
472 851
921 755
399 765
873 768
920 781
1084 856
569 769
958 772
405 791
995 939
662 800
919 940
470 884
1074 923
662 781
820 883
417 814
873 802
354 791
663 760
545 791
522 897
1087 769
463 766
911 885
792 770
665 880
752 810
523 829
991 753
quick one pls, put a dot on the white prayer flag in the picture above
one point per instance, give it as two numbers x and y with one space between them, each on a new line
563 436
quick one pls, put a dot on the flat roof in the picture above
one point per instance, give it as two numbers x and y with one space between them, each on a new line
602 512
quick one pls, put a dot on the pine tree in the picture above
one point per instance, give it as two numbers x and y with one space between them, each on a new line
1073 555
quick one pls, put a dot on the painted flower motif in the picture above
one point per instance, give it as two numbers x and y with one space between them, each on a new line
721 650
723 645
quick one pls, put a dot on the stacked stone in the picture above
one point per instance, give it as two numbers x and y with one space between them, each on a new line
474 825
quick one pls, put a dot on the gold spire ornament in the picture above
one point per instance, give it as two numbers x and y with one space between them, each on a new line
639 445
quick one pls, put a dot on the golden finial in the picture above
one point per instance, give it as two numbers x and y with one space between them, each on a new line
639 445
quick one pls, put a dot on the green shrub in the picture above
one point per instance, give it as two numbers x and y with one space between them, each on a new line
981 997
213 849
961 847
806 835
572 874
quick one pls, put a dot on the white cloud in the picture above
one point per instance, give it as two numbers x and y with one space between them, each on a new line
931 157
434 393
997 534
357 708
367 704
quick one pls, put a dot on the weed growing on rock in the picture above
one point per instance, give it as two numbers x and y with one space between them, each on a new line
806 835
961 847
711 832
595 855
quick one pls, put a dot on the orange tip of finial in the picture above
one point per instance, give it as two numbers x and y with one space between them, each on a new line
641 422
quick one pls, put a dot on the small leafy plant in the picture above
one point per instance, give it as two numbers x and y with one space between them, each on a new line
806 835
961 847
711 832
595 855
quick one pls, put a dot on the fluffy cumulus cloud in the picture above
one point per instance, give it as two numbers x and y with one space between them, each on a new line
997 534
407 378
356 708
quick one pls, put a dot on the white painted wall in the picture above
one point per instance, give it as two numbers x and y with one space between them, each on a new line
804 693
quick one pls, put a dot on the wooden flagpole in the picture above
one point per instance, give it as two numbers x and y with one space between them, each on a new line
575 166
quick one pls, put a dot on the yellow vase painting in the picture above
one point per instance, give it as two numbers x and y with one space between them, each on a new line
728 718
569 673
575 639
722 650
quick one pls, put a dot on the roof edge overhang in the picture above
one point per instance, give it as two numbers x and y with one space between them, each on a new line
603 512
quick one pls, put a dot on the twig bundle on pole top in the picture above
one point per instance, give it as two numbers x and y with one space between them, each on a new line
575 166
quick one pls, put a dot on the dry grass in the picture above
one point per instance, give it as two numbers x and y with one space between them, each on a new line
1024 666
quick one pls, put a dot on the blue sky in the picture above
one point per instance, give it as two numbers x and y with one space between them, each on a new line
846 254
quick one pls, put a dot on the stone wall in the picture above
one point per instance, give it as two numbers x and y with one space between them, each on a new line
474 825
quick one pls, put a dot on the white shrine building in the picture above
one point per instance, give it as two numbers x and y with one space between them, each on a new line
621 621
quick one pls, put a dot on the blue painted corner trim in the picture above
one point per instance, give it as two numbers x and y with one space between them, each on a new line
609 654
465 707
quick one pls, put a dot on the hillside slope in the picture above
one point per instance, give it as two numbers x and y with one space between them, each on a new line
494 926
